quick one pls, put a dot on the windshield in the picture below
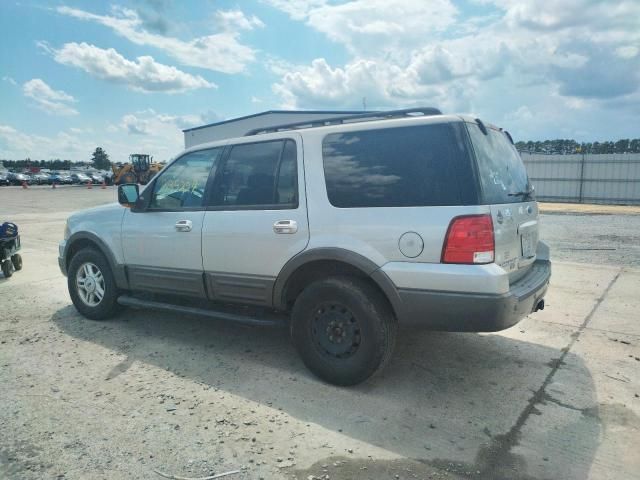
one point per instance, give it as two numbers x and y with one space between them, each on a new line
503 177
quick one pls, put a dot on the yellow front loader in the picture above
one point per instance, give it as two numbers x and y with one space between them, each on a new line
140 169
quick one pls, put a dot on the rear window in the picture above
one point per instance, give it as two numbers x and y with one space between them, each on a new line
503 177
397 167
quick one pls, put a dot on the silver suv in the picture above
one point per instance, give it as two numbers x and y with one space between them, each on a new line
343 229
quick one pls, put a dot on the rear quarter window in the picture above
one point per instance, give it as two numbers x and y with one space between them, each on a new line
421 165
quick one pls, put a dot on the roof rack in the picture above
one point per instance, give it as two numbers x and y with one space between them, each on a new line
361 117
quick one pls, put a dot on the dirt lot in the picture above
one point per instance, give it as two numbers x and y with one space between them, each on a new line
555 397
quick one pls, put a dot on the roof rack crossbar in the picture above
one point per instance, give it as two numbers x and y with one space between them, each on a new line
361 117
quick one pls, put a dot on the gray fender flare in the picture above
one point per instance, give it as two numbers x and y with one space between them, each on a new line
119 271
366 266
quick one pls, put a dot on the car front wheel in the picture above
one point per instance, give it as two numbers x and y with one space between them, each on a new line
91 285
344 329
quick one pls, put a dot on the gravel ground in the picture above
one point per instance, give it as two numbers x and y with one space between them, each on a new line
555 397
605 239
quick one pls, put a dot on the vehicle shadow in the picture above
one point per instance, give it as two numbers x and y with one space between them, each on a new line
447 400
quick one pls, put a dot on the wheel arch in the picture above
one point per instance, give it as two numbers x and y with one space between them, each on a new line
316 263
81 240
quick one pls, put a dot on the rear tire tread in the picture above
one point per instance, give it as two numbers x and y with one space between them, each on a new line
378 324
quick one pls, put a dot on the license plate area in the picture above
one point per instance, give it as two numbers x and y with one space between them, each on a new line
528 242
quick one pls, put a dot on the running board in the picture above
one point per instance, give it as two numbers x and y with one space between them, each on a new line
274 321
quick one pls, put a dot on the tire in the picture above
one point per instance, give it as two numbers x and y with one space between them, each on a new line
344 329
89 263
17 261
7 268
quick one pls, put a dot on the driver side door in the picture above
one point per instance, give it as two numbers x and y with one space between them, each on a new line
162 244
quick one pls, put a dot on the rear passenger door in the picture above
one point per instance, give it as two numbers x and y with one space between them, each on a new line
256 219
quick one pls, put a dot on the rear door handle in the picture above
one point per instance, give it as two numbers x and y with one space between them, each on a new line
184 225
285 226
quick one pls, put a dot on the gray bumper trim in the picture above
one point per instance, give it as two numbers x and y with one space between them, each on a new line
469 312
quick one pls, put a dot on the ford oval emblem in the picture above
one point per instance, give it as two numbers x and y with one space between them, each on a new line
529 209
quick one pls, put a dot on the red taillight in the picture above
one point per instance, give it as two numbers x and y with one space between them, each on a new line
469 240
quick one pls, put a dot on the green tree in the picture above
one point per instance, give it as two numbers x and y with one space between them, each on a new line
100 159
621 146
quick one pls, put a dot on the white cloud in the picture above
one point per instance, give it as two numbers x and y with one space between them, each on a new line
407 52
296 9
55 102
159 125
144 74
19 145
522 114
147 131
220 52
382 84
134 125
9 79
383 25
627 51
232 19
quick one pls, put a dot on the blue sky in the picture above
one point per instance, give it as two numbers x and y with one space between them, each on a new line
128 76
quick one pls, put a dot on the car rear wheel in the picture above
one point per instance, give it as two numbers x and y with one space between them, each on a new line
91 285
344 329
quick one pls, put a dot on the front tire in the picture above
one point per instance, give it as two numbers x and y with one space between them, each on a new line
17 261
344 329
91 285
7 268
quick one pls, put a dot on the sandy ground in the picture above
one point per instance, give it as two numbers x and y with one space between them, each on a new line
589 209
555 397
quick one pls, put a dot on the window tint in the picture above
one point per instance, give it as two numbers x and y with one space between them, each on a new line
183 183
500 167
393 167
287 193
259 174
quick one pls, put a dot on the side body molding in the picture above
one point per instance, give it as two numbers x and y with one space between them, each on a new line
119 271
366 266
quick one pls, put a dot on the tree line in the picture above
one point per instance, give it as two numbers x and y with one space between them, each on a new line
99 160
55 164
566 147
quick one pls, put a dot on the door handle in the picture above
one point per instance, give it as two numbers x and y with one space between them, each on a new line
184 225
285 226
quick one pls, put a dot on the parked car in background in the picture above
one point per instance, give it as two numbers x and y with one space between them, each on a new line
19 178
59 178
4 179
55 177
96 178
80 178
40 178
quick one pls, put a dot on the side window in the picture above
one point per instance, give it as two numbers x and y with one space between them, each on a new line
392 167
287 193
183 183
258 174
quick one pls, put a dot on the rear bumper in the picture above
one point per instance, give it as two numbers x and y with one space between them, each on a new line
475 312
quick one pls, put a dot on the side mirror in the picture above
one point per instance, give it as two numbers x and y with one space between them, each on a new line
128 194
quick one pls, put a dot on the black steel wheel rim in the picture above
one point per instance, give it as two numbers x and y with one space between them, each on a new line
335 330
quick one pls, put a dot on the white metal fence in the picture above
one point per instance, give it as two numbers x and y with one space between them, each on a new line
588 178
